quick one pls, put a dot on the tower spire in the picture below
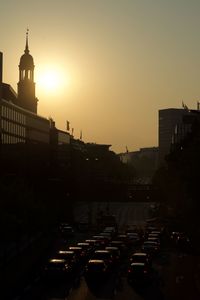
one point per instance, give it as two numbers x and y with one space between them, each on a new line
26 84
26 51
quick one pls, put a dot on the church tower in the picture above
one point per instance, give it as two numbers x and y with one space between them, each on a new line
26 84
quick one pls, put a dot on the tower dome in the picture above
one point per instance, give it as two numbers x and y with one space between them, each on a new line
26 62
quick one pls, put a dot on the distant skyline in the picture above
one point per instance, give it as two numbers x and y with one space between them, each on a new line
120 62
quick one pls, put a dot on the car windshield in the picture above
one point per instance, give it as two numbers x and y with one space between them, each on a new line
96 266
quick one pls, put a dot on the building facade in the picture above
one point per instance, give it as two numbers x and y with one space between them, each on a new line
19 122
174 125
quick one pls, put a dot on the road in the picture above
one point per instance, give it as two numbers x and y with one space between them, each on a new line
125 212
173 275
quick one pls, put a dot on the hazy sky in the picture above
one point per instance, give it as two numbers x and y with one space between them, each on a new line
123 61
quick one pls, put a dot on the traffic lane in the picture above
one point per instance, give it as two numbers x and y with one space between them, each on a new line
41 291
152 289
35 288
117 287
96 288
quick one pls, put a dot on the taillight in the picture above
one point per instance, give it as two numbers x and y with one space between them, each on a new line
129 271
145 271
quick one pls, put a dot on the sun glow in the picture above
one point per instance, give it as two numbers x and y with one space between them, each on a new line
52 80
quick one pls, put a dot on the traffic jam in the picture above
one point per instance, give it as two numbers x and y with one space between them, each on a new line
96 258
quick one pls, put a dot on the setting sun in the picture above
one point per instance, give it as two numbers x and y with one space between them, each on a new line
52 80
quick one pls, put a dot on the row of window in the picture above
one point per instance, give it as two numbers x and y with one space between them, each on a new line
13 128
13 115
8 139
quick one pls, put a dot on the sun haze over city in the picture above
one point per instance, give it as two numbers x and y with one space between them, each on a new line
106 66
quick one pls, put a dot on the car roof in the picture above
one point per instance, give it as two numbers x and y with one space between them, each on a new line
111 248
140 254
150 243
75 247
138 264
65 252
96 261
57 260
116 242
92 240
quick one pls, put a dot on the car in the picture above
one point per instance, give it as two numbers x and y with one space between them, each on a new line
115 253
107 235
133 238
67 231
70 256
110 229
150 247
138 272
154 239
183 242
57 269
81 254
156 232
94 244
153 235
105 255
122 237
140 257
174 236
86 247
103 240
120 244
96 269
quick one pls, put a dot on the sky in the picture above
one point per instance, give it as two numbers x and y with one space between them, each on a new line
119 62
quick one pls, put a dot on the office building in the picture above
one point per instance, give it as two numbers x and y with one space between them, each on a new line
173 128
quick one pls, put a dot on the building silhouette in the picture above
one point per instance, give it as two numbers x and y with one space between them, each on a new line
174 125
26 85
19 120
